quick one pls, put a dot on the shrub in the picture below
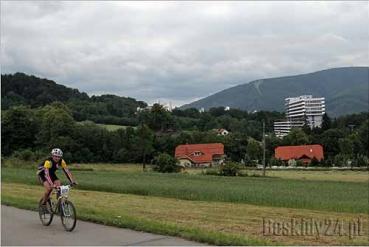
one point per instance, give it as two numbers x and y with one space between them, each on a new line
229 169
83 155
314 162
327 162
299 163
25 154
292 162
247 161
362 160
340 160
165 163
275 162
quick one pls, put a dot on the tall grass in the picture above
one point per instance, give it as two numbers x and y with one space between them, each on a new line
318 195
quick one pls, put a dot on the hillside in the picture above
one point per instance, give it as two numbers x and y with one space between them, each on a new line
22 89
345 90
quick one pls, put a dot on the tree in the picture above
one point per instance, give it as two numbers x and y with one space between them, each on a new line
295 137
165 163
229 169
207 121
164 144
346 146
217 111
247 160
364 138
362 160
157 119
93 138
340 160
326 122
329 140
56 122
18 130
306 127
145 143
225 122
235 145
356 144
271 142
254 150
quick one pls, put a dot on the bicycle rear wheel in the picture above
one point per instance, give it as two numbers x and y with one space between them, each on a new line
68 215
45 212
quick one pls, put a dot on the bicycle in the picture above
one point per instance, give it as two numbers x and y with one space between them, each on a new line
62 207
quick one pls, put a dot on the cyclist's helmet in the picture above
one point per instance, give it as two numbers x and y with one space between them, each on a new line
57 152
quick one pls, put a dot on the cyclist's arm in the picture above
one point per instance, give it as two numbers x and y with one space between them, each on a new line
47 166
66 171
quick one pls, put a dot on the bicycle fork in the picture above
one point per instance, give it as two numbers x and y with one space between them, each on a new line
65 210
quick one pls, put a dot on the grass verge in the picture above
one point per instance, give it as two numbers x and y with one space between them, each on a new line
110 209
210 222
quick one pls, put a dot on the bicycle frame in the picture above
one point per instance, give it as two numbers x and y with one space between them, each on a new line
60 198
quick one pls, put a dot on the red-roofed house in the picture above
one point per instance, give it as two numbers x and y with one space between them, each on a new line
200 155
221 132
304 152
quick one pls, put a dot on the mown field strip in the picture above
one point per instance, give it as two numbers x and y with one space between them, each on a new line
338 176
211 222
317 195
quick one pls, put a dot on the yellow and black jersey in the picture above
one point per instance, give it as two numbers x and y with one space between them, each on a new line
49 167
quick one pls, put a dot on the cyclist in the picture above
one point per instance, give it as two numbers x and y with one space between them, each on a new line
46 172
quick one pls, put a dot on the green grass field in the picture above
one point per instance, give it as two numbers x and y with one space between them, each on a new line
110 127
211 209
293 193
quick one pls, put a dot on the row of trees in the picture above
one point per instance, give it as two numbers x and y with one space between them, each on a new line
31 132
40 129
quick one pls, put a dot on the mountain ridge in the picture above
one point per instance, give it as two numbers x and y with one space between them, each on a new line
269 93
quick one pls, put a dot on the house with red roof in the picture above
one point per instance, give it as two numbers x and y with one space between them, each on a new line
303 152
221 132
200 155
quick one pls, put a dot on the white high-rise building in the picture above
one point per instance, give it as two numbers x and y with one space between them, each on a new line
299 110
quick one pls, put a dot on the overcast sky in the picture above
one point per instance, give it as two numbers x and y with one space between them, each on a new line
178 51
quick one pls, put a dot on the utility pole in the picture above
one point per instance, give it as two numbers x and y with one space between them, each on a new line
264 148
352 126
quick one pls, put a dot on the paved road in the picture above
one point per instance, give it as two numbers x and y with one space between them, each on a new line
23 227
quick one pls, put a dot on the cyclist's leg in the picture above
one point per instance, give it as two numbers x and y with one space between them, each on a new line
46 185
57 183
48 190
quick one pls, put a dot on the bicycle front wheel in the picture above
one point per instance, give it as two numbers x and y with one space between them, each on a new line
45 212
68 215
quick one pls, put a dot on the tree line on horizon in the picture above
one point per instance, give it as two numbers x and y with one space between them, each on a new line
29 134
38 114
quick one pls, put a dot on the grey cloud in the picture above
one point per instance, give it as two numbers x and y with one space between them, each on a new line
178 51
